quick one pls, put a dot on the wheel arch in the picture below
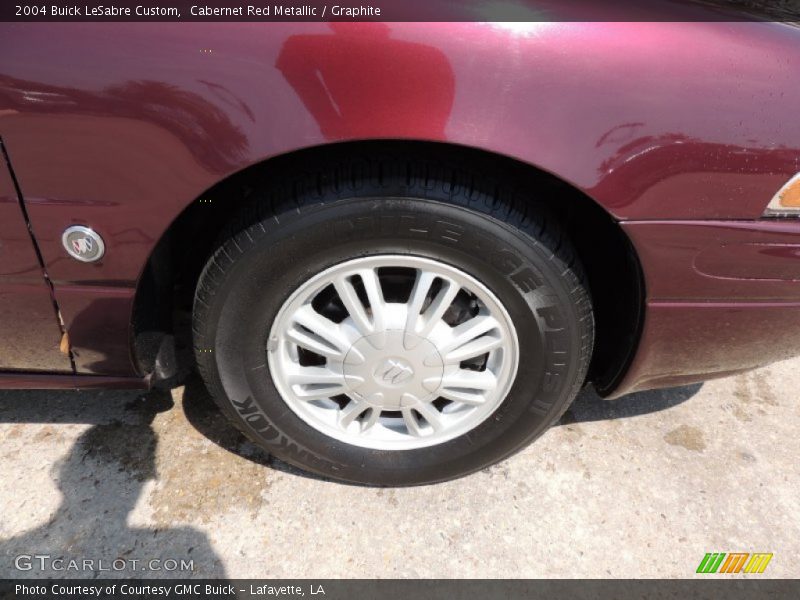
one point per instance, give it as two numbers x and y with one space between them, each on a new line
161 313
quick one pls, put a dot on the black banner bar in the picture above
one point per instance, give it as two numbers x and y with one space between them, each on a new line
326 589
399 10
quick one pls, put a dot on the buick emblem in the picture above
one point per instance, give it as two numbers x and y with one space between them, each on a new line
83 244
394 371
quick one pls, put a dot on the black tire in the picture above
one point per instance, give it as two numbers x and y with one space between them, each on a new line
292 230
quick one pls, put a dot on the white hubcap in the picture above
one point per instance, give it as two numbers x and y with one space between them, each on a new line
390 376
393 352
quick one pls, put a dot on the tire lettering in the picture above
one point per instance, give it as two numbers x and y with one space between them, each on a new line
552 317
251 414
448 232
552 381
347 228
258 421
505 261
526 280
556 369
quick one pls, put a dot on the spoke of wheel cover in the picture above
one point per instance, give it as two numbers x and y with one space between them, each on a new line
323 336
477 347
351 412
313 375
312 342
349 297
467 387
369 423
372 286
319 377
320 392
474 380
422 286
428 413
470 339
411 423
432 416
422 324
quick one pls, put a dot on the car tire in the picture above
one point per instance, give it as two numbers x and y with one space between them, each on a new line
386 222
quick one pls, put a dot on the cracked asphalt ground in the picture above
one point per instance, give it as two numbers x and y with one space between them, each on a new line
642 486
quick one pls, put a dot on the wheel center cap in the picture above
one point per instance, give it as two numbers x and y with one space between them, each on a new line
393 369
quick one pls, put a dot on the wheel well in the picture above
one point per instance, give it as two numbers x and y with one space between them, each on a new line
165 292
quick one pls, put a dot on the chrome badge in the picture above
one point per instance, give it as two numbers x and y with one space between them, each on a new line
394 371
83 244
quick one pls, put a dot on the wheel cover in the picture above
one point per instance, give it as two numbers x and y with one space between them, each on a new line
393 352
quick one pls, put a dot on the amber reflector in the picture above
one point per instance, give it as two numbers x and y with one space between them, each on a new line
789 196
787 200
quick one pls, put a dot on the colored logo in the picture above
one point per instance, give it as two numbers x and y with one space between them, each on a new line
83 245
734 562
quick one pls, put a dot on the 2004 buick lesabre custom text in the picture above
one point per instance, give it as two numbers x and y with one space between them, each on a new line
44 10
395 252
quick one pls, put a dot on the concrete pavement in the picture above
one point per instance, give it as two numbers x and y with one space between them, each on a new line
642 486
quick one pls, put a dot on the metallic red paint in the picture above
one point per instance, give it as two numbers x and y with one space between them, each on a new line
28 326
684 343
713 261
719 300
52 381
121 126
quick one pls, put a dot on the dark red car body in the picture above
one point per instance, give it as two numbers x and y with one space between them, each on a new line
682 132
